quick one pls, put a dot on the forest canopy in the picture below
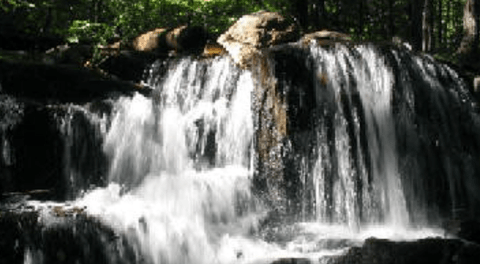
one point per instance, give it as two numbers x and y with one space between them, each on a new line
99 21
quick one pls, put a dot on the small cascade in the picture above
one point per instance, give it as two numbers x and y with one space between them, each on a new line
382 142
180 165
11 113
366 185
437 124
52 149
199 117
82 130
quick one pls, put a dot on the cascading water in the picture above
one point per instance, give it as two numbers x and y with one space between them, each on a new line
376 145
180 165
359 72
387 125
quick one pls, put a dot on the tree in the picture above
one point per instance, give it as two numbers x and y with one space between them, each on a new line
469 42
427 29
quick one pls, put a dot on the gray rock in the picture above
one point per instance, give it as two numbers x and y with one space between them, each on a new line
244 39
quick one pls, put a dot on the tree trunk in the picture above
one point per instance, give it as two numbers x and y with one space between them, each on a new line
361 19
427 26
301 13
468 46
416 24
319 15
391 20
440 23
448 20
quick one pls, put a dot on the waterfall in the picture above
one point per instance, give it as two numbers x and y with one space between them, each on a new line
390 130
59 142
200 116
347 73
333 145
81 129
181 165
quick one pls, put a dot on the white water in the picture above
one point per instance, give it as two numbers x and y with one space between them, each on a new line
177 202
164 194
383 195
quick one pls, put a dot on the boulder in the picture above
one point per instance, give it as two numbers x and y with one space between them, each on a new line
213 49
324 37
149 41
186 39
128 65
244 39
182 39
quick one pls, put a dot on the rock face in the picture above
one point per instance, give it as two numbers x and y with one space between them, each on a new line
425 251
284 125
50 137
55 149
244 39
65 83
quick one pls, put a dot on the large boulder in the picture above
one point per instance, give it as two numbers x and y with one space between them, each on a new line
149 41
186 39
182 39
244 39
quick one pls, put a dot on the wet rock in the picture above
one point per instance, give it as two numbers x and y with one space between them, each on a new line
69 54
324 37
425 251
213 49
50 151
244 39
284 125
59 83
128 65
292 261
33 237
467 229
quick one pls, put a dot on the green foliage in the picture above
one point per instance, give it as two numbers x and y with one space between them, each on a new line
86 31
101 20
